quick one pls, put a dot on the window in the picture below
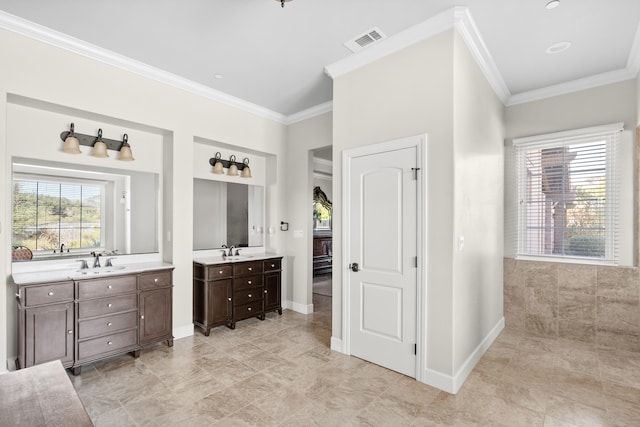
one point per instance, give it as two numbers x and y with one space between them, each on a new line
567 195
49 212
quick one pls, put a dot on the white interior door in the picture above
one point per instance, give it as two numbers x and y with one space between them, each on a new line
382 237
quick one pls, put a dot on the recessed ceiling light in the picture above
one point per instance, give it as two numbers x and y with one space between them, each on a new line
552 4
558 47
217 76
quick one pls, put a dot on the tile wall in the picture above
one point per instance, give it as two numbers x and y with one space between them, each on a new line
586 303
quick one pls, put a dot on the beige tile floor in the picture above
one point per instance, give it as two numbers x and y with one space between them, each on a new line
281 372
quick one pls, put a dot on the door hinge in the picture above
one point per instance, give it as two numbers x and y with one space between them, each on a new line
415 261
415 349
415 173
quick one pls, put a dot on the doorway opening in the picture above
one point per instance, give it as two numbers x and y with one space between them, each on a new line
322 255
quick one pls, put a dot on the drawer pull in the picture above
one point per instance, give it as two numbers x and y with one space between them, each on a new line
109 323
109 287
69 331
109 305
265 291
249 282
273 265
250 268
50 294
229 298
249 308
250 295
220 272
142 317
109 342
155 280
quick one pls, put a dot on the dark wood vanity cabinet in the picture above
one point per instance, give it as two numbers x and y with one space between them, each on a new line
82 321
225 293
46 324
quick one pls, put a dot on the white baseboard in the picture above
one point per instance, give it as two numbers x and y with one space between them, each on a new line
183 331
452 384
11 365
336 344
297 307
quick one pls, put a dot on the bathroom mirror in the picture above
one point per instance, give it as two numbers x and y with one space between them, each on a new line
226 213
63 209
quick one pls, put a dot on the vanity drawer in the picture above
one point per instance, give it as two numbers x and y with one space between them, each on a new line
48 294
247 295
156 279
215 272
248 282
97 288
103 306
107 344
107 324
272 265
248 310
245 268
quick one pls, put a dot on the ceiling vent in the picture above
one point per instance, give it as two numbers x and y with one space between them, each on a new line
365 39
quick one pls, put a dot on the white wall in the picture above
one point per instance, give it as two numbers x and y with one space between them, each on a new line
598 106
303 137
63 83
409 92
478 208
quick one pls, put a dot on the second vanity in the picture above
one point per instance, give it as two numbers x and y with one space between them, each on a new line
83 316
227 290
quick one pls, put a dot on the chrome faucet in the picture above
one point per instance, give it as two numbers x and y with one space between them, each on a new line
96 262
61 247
230 250
83 264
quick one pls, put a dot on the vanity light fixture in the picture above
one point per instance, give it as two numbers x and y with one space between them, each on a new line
99 147
72 142
219 165
282 2
552 4
233 167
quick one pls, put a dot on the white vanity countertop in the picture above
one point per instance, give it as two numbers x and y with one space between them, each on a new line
212 260
28 278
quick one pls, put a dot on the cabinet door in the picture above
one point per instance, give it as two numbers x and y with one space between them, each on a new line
220 302
272 292
155 316
49 334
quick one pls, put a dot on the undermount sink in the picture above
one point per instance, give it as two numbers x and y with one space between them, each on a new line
237 257
100 270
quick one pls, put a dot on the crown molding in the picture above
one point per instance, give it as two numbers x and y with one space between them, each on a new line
457 17
573 86
469 32
311 112
80 47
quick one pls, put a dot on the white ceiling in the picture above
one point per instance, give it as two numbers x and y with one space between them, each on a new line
274 57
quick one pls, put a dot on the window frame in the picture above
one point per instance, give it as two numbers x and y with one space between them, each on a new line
610 133
55 179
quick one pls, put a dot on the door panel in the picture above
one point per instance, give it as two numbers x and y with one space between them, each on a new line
382 240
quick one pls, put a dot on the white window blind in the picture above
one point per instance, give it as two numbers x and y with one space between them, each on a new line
567 187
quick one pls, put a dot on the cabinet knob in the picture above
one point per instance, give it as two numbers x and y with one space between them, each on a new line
250 268
273 265
220 272
109 287
50 294
109 342
155 280
265 291
250 295
142 317
229 298
69 331
249 282
249 308
109 305
109 323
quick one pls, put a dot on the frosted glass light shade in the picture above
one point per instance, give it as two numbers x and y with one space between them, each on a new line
71 145
233 170
100 149
126 154
218 168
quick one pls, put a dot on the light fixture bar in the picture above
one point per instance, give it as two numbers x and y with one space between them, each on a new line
90 140
227 163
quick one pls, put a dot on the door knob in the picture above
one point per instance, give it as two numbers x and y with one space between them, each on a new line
354 267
